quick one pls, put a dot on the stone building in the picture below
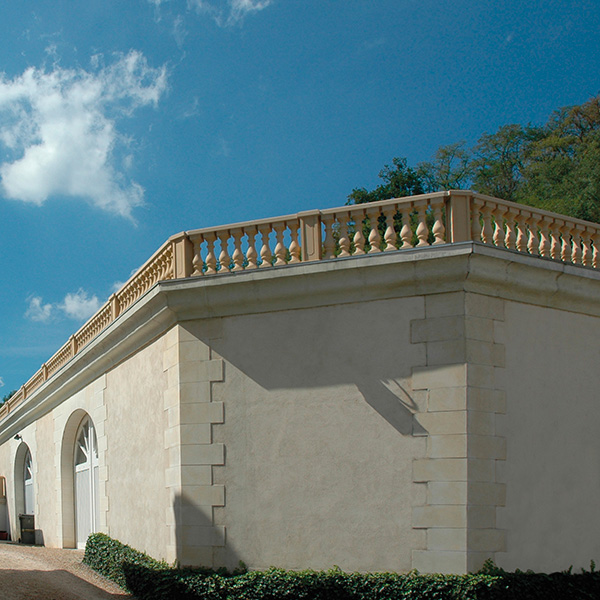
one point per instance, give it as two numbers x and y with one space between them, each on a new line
310 391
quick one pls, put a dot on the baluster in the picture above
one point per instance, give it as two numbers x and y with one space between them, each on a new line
390 233
422 230
238 256
329 242
576 246
439 231
498 237
511 236
487 230
265 250
586 257
521 243
211 260
197 260
344 238
359 238
565 249
595 252
166 269
544 239
294 245
406 231
374 236
280 251
224 258
555 245
476 226
251 254
533 243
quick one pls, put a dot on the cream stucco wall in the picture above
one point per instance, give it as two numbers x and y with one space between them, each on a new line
135 451
45 479
126 408
320 436
552 469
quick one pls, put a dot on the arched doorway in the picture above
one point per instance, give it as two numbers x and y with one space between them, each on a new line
85 480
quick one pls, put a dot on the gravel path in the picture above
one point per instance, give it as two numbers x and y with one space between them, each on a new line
33 572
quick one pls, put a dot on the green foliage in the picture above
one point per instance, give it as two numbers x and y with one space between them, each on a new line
555 167
150 579
452 168
500 161
399 180
107 556
141 574
7 397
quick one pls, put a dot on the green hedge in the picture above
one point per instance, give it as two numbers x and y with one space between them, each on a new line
150 579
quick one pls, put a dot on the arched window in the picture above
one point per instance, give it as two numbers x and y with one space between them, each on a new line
85 479
28 484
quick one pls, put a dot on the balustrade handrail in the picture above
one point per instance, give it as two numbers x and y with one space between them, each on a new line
351 230
240 225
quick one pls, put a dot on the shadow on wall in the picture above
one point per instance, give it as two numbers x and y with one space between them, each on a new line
391 400
198 541
19 583
364 346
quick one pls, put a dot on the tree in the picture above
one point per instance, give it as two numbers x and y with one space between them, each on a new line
400 180
563 171
555 166
451 169
500 161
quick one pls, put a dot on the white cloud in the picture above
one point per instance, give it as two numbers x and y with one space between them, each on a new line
229 12
37 311
157 15
79 305
240 8
60 127
179 31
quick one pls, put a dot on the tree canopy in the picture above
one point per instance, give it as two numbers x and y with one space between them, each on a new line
555 166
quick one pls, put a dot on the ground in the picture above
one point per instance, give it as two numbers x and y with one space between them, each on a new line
33 572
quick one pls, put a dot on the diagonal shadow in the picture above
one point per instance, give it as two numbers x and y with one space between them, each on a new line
367 348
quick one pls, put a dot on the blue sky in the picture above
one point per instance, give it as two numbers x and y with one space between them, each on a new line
124 122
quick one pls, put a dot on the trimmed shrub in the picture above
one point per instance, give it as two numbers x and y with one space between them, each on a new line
150 579
108 557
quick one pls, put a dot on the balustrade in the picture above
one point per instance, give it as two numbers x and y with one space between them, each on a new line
536 232
59 359
244 247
